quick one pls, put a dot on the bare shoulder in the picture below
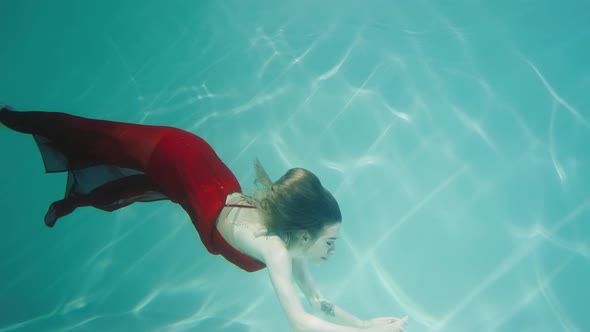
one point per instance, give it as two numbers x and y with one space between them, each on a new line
244 229
273 250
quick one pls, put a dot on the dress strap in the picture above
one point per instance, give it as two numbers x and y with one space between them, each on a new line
240 206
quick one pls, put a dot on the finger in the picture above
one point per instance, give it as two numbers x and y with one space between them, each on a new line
400 323
405 318
384 320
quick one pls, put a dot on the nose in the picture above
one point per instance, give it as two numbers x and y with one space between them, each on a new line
332 250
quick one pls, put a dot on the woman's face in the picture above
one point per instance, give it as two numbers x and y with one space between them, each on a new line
324 245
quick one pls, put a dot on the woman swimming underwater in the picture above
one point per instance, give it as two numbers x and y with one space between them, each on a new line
113 164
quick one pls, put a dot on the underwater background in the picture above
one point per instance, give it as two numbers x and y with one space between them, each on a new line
454 134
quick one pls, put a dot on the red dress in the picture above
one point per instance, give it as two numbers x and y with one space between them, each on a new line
113 164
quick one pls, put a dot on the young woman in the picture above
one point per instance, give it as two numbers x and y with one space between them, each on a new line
112 164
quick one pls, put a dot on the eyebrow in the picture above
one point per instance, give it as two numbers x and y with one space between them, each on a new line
332 238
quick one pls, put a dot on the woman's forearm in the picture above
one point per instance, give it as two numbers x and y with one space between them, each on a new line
312 323
338 314
344 317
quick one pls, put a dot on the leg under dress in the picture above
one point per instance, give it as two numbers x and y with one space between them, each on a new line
113 164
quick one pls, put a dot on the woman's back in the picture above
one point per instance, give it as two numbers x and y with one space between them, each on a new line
241 225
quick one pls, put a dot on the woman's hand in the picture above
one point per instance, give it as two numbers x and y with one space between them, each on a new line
390 324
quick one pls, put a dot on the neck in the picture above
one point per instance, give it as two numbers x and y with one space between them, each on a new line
295 250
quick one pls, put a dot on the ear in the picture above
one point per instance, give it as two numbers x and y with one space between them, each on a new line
305 237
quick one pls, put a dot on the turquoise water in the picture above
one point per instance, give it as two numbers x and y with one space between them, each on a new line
454 134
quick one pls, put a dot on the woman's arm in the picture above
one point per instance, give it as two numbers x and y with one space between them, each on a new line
318 302
321 304
280 270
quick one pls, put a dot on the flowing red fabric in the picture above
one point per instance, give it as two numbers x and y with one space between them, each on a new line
113 164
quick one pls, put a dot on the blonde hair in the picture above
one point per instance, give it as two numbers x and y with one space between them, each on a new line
295 202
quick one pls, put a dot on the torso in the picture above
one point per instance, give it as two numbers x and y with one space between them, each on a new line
242 227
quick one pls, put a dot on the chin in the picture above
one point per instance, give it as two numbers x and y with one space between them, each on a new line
320 260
